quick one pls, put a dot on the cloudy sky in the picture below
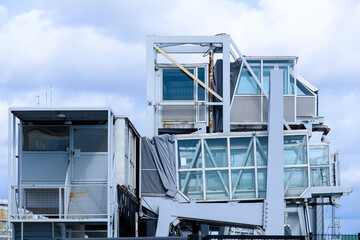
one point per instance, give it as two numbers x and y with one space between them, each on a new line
92 53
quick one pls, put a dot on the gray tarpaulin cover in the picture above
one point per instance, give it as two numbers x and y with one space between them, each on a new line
218 87
158 166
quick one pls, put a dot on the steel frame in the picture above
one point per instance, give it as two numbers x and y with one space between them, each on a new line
14 170
180 44
254 146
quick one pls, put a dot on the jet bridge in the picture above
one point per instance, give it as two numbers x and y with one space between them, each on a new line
242 126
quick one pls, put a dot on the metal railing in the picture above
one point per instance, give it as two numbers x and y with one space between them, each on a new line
334 236
237 237
59 201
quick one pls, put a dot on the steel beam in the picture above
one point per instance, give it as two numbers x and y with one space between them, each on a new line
151 87
275 170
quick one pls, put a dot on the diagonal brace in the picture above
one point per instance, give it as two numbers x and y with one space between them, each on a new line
239 175
189 74
215 165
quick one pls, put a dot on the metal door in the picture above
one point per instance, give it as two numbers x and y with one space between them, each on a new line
89 154
87 196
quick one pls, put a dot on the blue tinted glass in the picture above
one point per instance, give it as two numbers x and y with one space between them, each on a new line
247 84
177 85
288 86
266 78
215 152
291 91
295 150
285 80
201 90
241 152
302 90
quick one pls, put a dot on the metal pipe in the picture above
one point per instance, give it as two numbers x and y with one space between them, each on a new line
211 84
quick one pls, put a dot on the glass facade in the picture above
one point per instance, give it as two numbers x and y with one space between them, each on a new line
179 86
248 86
241 152
189 154
228 168
319 159
191 184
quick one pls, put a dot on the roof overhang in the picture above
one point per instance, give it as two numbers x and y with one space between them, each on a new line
60 114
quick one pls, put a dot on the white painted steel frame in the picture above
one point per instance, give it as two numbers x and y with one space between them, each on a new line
222 41
274 216
255 167
194 102
14 170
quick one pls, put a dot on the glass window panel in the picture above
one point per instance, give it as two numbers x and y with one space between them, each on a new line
215 152
243 183
295 150
288 86
45 138
266 81
295 181
319 155
247 84
261 182
191 184
292 84
302 90
201 90
261 150
90 139
189 154
241 152
320 176
217 184
177 85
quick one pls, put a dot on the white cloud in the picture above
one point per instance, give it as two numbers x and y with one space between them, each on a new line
37 49
323 33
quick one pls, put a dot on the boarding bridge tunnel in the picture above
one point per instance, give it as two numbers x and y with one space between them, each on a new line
242 149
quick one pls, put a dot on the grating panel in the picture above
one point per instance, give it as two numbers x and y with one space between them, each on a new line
89 167
87 202
289 108
305 106
42 201
246 109
90 139
178 113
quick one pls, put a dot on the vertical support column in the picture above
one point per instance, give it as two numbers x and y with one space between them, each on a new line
274 217
226 84
10 199
205 229
109 177
151 129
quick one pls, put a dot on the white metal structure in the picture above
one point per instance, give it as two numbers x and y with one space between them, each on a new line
258 174
64 168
